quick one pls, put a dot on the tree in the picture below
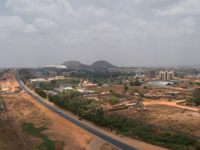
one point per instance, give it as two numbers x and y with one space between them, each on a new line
114 100
41 92
135 83
196 96
53 82
126 88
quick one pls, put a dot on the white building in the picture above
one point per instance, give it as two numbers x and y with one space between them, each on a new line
39 80
4 88
56 66
87 85
166 75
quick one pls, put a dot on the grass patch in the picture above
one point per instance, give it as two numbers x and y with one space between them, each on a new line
197 83
150 134
30 129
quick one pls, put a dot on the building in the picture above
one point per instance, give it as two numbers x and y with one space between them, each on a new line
88 85
152 74
4 88
166 75
56 66
105 85
59 78
39 80
68 88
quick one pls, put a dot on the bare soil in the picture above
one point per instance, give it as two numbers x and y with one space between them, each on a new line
10 138
173 103
20 110
168 115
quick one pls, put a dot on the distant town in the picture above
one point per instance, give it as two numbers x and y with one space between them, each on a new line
162 103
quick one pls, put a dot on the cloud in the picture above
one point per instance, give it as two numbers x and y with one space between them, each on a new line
30 29
11 23
91 11
47 8
184 7
187 26
105 27
40 24
43 23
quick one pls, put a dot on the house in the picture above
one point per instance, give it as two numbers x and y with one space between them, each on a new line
38 80
68 88
59 78
88 85
4 89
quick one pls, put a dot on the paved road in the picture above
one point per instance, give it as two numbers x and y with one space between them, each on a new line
2 106
98 133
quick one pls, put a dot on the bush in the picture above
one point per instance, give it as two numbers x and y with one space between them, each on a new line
196 97
113 100
41 92
135 83
197 146
30 129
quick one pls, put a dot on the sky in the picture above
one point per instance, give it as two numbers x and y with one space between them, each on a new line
36 33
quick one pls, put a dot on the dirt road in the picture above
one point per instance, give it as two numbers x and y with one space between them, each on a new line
169 103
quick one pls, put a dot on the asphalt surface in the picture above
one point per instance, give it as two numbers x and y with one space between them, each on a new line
91 130
2 107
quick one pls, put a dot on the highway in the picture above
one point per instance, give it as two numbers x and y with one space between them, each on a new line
79 123
2 106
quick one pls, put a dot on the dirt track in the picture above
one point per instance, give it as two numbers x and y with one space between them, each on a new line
169 103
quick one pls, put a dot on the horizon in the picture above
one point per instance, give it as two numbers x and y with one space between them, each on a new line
134 66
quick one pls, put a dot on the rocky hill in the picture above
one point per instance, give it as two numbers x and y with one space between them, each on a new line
102 65
73 64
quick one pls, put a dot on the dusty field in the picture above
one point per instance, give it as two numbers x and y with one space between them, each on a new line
170 103
11 138
180 119
169 116
10 82
20 110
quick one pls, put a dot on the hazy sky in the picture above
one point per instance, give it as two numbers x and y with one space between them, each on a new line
123 32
